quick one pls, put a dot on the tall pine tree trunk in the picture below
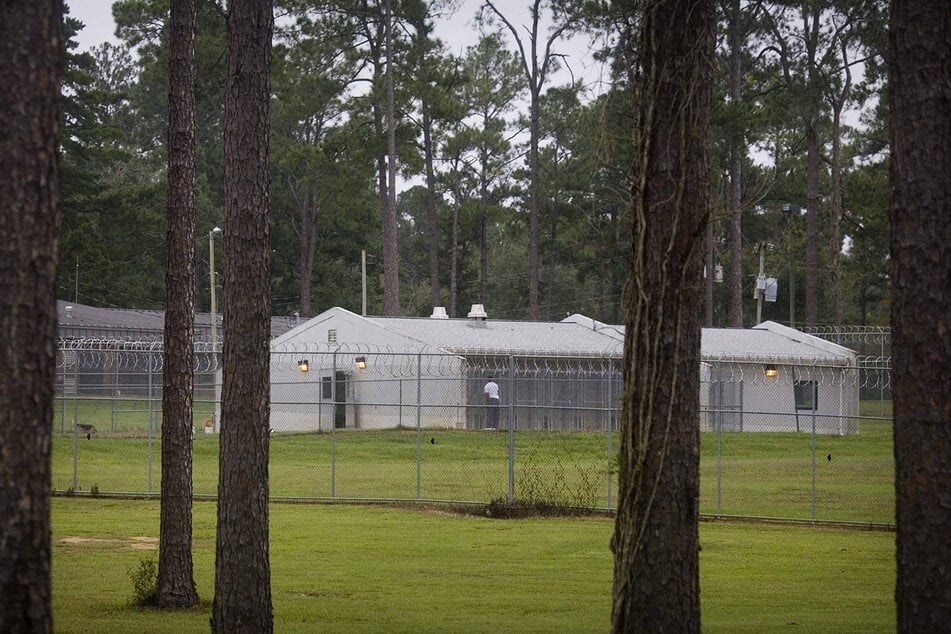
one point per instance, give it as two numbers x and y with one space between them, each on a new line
534 259
391 269
656 538
431 206
920 64
835 221
309 214
242 569
812 223
176 584
454 262
737 151
31 65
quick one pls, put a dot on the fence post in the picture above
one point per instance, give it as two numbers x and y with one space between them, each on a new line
511 429
62 398
609 426
75 454
115 390
419 405
333 428
815 405
717 420
149 357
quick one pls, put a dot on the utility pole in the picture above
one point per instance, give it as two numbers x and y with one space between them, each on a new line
760 283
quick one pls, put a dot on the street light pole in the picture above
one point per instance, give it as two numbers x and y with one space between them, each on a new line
214 295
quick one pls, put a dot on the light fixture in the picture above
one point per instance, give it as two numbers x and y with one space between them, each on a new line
304 365
361 363
770 371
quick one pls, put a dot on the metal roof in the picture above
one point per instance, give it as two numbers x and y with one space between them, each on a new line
576 335
767 341
93 322
471 336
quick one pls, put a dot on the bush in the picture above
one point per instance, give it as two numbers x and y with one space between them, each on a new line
144 582
501 508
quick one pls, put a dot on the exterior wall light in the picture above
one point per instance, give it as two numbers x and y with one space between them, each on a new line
770 371
304 365
361 363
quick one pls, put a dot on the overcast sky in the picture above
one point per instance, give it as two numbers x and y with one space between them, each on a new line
456 33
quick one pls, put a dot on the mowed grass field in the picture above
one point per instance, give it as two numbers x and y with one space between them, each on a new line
342 568
745 474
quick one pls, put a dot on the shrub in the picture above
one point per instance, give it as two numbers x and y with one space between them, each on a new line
144 582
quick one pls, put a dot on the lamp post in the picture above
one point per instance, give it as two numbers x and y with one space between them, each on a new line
211 278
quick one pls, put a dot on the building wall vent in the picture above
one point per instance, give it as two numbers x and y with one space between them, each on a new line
69 312
439 312
331 335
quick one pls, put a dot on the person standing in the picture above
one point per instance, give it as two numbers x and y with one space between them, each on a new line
492 402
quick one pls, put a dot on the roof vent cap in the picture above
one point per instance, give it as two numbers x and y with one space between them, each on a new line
477 312
439 312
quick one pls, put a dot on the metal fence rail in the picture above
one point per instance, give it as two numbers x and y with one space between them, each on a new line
794 441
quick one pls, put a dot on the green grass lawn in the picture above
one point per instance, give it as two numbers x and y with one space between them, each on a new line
754 474
770 474
337 568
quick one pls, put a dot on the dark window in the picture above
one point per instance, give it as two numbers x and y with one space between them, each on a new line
326 388
807 394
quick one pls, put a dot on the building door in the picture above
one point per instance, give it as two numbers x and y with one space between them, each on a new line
340 399
726 401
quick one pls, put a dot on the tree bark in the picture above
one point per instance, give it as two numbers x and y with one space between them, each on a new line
835 220
483 227
31 68
391 276
242 569
919 58
534 260
656 538
737 151
431 206
812 224
176 585
454 262
709 266
309 212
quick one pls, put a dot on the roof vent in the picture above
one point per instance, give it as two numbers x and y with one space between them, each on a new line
439 312
477 312
69 312
477 316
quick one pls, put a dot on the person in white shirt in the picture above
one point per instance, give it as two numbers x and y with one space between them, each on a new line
492 402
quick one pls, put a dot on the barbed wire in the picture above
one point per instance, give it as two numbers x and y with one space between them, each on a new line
851 334
111 357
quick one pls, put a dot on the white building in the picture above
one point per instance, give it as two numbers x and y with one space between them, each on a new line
389 372
770 378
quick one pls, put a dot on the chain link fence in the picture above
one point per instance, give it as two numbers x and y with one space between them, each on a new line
785 439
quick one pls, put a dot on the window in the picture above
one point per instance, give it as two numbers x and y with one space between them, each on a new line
331 335
807 395
326 388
